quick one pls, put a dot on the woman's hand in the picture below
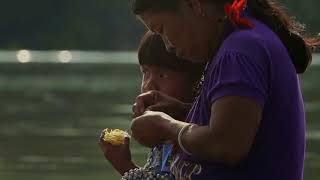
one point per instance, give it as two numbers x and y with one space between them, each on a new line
227 139
118 156
157 101
154 128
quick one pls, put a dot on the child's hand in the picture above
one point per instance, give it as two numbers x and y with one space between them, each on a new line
157 101
118 155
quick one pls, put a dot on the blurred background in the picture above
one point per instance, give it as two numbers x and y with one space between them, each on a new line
68 69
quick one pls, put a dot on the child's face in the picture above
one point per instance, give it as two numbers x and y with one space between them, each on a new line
167 81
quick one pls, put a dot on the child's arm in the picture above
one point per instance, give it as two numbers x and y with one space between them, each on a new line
119 156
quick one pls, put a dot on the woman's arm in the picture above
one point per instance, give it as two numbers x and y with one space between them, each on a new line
233 126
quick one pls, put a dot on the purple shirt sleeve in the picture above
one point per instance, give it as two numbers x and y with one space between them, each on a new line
237 74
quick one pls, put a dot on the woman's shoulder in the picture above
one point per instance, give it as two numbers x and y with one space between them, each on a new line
256 40
246 47
244 40
251 42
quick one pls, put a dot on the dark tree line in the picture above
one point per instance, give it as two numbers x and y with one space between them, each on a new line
92 24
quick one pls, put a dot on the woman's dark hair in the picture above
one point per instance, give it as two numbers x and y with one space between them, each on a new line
152 51
290 31
140 6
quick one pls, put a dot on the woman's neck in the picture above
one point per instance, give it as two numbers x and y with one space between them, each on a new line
219 32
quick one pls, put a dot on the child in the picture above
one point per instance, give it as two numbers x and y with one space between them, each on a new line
164 72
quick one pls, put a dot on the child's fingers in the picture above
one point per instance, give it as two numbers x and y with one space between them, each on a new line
127 140
102 134
138 107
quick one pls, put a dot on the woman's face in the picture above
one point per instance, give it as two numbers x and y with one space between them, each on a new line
172 83
178 34
186 32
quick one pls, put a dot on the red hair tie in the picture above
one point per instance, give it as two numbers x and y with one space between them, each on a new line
233 12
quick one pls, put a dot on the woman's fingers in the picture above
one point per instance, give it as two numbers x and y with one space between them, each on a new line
157 107
146 128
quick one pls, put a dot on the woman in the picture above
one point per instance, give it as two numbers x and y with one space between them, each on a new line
162 72
248 121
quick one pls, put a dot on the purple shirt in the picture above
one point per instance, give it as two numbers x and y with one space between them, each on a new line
253 63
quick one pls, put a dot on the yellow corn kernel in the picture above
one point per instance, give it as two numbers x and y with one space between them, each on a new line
115 137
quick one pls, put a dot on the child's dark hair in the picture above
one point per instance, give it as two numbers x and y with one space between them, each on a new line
152 51
290 31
